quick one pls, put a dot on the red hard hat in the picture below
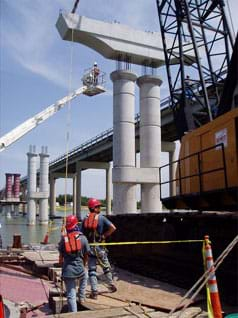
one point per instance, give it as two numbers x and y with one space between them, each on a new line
92 203
71 222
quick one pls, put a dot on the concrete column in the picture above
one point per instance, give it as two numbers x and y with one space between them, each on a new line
31 187
150 139
75 195
124 194
44 187
8 185
16 185
16 209
78 192
172 173
52 196
108 189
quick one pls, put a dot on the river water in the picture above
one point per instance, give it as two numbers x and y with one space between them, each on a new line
33 234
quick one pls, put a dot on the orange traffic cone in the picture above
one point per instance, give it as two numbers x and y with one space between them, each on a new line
2 312
46 239
212 282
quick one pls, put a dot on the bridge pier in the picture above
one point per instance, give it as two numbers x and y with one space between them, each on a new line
82 165
33 195
44 186
124 194
150 139
52 196
31 186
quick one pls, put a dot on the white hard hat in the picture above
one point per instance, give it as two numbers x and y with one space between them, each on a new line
95 63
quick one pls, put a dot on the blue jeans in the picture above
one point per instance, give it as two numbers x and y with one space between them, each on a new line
98 255
70 284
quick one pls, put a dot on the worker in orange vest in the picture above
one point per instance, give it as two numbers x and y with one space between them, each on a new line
74 250
97 228
95 73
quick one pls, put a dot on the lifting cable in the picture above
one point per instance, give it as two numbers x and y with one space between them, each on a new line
206 275
75 6
68 125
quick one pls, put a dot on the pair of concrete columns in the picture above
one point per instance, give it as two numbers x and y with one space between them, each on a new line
32 194
125 174
77 180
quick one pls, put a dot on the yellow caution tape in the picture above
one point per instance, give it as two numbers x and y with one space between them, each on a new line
144 242
54 228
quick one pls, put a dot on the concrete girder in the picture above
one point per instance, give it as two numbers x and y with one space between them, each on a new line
117 41
113 39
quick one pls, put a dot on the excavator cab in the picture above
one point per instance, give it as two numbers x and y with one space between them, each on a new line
94 82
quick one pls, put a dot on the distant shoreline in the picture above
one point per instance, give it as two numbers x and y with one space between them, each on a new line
70 208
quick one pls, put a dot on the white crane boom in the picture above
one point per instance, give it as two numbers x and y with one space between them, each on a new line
33 122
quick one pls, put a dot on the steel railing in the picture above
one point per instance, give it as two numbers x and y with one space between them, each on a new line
199 174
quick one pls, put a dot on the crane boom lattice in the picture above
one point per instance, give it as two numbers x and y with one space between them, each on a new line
198 28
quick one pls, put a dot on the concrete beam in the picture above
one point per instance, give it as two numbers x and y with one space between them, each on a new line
57 175
38 195
93 165
135 175
113 39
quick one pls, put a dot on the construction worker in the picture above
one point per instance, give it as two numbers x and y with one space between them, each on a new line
74 250
97 228
188 87
95 73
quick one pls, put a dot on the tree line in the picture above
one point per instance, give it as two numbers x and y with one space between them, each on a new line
84 200
69 198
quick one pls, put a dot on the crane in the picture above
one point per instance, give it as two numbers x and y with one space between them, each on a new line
199 28
206 109
89 88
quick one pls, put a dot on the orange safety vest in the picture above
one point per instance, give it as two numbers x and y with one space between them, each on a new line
91 222
72 242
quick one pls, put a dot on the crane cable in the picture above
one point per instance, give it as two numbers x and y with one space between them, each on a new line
68 125
75 6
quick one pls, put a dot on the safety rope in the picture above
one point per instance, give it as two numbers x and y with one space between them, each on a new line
204 278
144 242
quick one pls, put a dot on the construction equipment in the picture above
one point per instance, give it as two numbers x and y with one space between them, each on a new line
207 118
88 88
198 28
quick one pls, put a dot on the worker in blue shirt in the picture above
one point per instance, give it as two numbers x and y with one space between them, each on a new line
96 227
74 250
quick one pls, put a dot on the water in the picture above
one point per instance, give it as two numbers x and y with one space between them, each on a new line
29 234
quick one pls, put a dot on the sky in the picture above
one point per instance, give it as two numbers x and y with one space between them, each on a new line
38 68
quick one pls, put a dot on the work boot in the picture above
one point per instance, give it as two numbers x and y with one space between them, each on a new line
94 295
82 301
112 288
